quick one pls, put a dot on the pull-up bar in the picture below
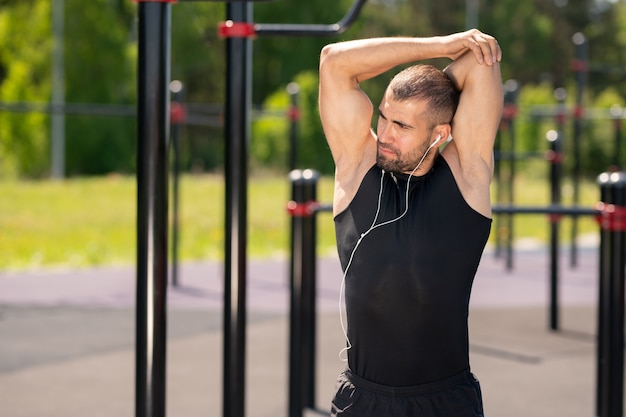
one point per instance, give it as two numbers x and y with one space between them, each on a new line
154 55
231 29
268 29
239 31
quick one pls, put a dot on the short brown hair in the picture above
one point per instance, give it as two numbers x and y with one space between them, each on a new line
426 82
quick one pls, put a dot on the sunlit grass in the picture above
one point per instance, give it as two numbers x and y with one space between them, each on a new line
91 221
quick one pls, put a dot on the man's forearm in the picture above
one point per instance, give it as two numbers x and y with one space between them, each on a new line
367 58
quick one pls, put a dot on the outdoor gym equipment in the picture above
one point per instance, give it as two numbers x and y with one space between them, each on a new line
154 45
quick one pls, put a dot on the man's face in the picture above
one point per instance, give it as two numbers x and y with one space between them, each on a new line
403 134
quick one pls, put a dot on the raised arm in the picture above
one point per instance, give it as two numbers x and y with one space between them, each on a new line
474 128
478 115
346 111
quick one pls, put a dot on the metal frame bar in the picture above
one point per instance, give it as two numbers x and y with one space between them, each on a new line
273 29
152 206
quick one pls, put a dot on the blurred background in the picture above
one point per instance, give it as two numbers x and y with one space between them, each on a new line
67 103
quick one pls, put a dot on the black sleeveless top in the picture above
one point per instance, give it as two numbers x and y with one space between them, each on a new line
408 287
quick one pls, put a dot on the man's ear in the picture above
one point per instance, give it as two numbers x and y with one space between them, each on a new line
443 133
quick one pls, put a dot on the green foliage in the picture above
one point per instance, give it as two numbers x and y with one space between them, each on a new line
599 145
270 132
278 59
535 103
313 151
197 52
24 69
100 68
198 61
100 48
607 50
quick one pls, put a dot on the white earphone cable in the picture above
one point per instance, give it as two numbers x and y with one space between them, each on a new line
371 228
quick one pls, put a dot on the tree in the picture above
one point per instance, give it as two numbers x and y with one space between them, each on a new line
24 77
99 68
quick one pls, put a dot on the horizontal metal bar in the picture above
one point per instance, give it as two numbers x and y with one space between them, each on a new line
269 29
552 209
198 114
324 207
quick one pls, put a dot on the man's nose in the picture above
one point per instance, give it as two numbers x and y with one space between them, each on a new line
385 133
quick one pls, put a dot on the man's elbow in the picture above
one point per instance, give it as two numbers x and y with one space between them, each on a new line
327 56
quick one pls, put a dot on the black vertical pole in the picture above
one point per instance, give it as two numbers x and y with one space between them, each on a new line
294 116
302 324
309 287
580 69
177 118
237 131
555 157
612 268
152 205
604 263
616 114
296 268
510 97
615 341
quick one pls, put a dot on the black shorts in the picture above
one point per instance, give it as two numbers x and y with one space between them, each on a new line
458 396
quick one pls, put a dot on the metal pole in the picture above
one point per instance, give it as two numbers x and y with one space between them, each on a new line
510 96
237 131
611 306
603 284
580 74
617 114
271 29
471 14
177 119
302 324
152 205
294 115
57 147
297 265
555 158
309 289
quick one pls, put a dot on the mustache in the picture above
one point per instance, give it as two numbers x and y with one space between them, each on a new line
386 147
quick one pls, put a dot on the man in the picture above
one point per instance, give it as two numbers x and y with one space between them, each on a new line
411 219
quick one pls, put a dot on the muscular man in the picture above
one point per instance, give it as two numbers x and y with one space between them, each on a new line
412 217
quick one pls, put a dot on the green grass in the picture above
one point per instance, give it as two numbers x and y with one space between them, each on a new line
87 222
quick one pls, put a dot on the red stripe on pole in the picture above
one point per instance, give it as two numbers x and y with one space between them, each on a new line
178 113
579 65
555 157
230 29
509 111
612 217
579 112
293 113
306 209
554 218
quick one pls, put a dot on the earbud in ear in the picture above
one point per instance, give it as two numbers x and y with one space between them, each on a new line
436 140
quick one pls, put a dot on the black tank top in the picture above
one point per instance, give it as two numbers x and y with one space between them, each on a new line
408 287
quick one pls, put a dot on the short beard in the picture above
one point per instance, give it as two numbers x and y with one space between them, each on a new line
402 163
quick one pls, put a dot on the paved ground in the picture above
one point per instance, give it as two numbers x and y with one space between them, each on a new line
67 340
